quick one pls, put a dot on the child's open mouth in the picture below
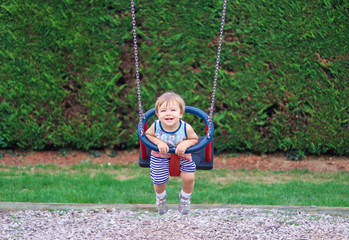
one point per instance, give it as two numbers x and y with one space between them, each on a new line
168 119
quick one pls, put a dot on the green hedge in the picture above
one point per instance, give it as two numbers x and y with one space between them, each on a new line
68 78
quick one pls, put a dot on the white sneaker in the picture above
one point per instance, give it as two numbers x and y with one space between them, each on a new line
161 205
183 204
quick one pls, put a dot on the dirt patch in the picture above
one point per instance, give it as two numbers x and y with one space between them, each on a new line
279 162
20 157
276 161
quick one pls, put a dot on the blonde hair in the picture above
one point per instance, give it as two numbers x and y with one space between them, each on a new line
169 97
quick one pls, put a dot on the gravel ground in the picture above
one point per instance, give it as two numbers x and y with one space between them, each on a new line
217 223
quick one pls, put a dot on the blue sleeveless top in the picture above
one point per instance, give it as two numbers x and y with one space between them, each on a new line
171 138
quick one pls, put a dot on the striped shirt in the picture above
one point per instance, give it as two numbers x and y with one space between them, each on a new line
171 138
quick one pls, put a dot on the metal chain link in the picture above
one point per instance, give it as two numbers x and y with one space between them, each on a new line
217 68
140 109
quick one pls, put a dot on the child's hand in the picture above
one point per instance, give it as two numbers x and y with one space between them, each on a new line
163 147
181 148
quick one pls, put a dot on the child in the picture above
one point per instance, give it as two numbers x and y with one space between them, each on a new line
171 130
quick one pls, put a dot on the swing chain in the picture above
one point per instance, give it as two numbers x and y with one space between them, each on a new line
141 113
217 68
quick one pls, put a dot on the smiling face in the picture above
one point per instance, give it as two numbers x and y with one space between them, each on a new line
169 114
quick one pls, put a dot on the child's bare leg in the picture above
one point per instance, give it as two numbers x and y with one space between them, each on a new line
188 181
160 188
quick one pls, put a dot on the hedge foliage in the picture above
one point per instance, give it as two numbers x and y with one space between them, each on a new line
68 79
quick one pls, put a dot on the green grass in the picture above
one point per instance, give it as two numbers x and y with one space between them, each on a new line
88 183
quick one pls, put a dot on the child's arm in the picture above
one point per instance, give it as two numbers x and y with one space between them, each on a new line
191 140
162 146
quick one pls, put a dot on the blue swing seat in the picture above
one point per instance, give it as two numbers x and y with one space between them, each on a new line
198 158
200 152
